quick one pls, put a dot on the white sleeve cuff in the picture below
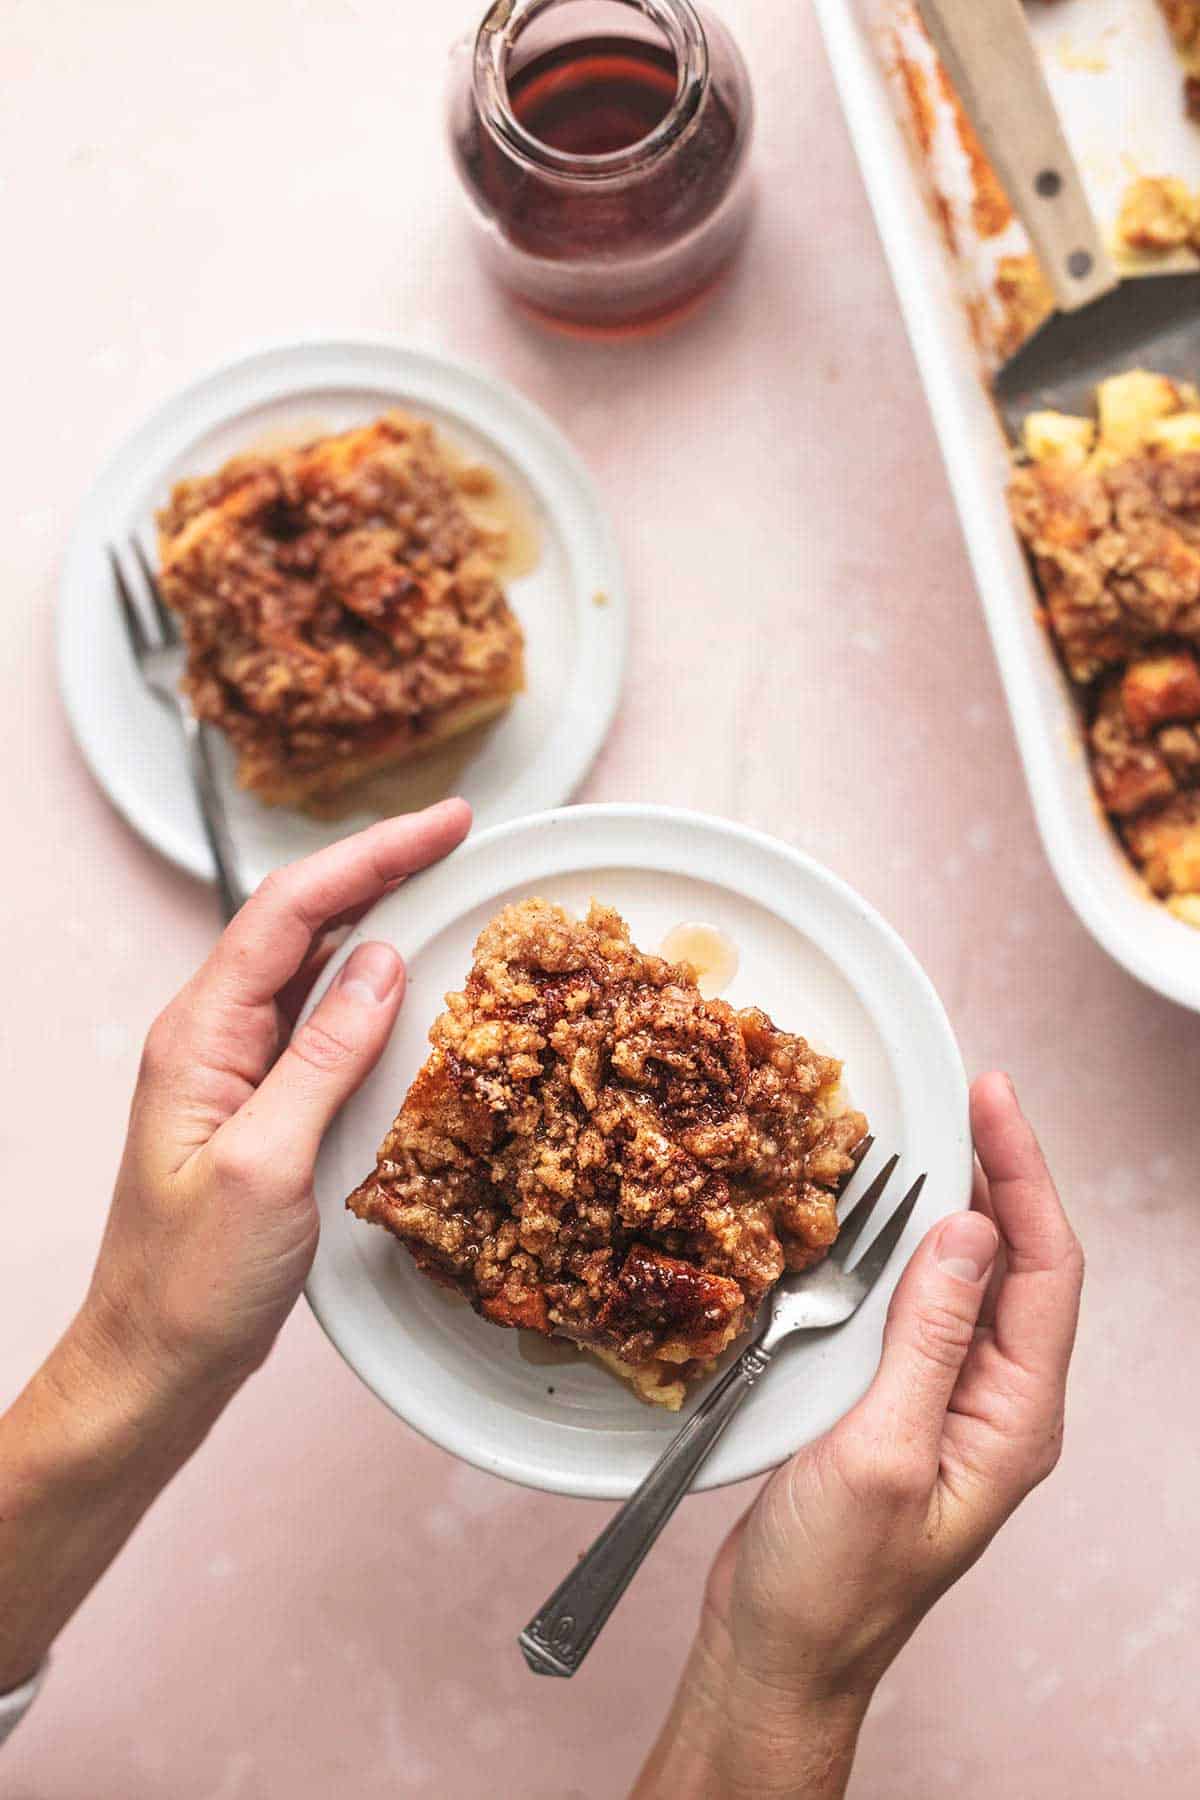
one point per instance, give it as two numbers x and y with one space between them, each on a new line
14 1706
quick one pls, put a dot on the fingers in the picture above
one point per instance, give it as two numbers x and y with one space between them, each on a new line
929 1331
268 941
981 1202
208 1049
1037 1302
279 1129
325 946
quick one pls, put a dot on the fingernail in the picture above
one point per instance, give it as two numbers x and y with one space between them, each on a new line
370 973
967 1246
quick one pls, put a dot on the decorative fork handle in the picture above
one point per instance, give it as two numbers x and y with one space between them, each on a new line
558 1638
212 813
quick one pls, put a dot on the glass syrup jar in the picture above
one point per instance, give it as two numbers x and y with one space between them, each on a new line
604 148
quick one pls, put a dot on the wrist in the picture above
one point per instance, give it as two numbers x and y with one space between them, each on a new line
789 1740
84 1450
166 1397
737 1733
98 1417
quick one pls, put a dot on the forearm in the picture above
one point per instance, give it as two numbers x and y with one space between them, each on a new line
684 1760
84 1450
729 1737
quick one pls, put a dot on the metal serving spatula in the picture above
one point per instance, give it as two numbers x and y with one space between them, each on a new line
1102 325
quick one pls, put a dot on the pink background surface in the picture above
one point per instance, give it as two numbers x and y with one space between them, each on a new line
322 1603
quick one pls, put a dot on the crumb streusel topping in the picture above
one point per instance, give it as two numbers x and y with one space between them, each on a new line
1109 510
1117 550
1183 17
340 607
593 1151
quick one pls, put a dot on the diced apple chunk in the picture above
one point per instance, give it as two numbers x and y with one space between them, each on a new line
1185 907
1157 689
1176 435
1128 788
1167 845
1058 437
1129 404
1158 213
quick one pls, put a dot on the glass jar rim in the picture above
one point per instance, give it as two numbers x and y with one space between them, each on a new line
503 24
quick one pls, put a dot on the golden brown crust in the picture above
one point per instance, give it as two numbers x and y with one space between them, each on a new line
1130 769
1117 552
1183 18
1159 213
1110 513
1024 297
341 610
1165 841
594 1151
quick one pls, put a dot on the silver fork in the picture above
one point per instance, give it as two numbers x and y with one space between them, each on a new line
557 1638
158 651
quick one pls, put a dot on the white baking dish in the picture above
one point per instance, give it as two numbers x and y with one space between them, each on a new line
1097 879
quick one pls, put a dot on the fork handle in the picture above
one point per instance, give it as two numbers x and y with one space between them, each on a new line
558 1638
211 803
992 60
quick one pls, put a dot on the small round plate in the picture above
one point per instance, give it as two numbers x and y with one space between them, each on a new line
815 956
572 604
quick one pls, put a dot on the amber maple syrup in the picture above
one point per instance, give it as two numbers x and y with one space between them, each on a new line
709 952
596 95
607 170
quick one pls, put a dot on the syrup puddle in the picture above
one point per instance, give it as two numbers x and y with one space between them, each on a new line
505 515
709 952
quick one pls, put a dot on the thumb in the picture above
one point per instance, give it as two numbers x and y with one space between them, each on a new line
329 1056
930 1326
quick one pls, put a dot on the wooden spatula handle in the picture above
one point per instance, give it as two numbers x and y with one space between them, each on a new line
991 59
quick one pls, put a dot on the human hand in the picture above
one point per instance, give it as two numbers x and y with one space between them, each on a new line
213 1225
850 1543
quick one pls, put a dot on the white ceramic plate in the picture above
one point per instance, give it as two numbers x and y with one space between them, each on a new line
1148 125
814 955
572 606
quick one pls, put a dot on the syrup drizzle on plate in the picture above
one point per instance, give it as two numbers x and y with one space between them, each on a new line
707 950
502 512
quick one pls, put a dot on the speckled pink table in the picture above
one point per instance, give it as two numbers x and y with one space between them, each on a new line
323 1604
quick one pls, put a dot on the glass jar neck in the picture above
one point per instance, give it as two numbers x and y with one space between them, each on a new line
503 24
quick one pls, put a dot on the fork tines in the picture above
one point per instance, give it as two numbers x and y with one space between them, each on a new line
142 640
131 612
879 1252
166 618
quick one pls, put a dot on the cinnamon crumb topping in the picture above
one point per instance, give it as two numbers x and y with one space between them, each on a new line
593 1151
341 610
1109 510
